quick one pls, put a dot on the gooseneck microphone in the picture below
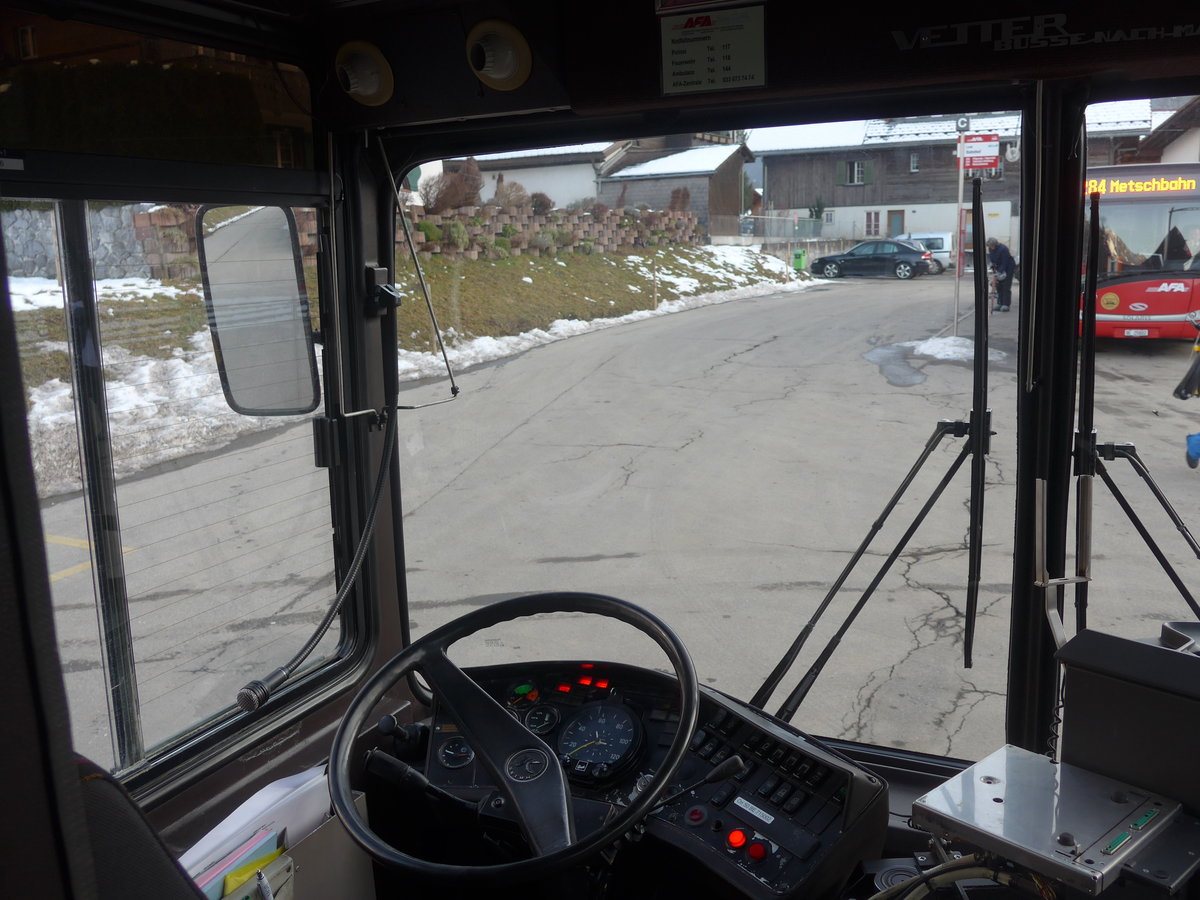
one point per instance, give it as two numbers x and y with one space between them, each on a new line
257 692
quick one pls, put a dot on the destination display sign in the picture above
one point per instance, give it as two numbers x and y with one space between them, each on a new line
1152 184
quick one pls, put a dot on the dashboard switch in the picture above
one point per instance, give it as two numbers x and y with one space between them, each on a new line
696 815
722 795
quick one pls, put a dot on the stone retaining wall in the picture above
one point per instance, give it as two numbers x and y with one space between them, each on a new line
158 240
533 235
127 241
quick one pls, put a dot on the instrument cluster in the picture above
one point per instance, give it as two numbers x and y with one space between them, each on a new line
797 816
596 721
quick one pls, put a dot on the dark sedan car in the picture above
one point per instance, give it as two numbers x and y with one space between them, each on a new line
889 257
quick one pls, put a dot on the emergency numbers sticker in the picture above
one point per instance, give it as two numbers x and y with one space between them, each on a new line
713 51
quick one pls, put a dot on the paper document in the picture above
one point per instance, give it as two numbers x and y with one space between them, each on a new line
212 880
297 805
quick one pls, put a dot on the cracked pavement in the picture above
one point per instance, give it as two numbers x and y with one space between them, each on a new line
722 465
719 466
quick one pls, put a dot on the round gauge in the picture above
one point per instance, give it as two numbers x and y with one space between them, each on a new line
526 765
523 693
541 719
454 753
600 733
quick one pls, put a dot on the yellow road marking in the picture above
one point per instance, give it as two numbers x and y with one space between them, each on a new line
67 573
79 544
68 542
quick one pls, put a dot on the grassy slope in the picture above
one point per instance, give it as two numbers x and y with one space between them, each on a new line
492 297
471 298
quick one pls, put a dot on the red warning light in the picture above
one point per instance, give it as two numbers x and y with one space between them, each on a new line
602 683
586 679
564 688
736 839
757 851
587 665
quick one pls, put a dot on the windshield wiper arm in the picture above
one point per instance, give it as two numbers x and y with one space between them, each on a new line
978 429
942 429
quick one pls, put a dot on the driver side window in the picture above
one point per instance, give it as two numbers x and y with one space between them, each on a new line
189 546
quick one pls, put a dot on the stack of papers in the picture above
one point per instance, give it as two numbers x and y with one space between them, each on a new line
254 834
262 847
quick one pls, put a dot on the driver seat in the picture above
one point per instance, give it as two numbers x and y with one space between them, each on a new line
130 861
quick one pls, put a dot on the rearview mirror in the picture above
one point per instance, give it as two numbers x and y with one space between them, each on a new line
258 309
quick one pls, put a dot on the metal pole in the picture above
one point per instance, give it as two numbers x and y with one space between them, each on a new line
100 487
1085 437
958 229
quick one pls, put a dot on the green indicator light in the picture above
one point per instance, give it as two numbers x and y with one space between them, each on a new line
1144 820
523 689
1117 843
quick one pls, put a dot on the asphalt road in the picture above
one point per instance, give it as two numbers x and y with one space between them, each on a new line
717 466
720 467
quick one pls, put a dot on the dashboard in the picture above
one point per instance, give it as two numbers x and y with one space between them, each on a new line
796 815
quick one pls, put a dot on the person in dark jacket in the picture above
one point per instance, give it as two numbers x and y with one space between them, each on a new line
1003 265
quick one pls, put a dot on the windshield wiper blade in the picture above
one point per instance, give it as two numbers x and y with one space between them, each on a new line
979 442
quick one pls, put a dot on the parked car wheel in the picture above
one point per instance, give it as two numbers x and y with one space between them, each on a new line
936 267
831 270
904 270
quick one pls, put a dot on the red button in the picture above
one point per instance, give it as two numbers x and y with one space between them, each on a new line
737 838
757 851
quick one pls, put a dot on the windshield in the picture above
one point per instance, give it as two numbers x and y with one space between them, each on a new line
1152 235
665 404
667 395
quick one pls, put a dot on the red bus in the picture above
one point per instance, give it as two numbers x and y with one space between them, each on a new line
1149 278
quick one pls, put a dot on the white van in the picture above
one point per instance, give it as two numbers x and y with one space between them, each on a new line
939 243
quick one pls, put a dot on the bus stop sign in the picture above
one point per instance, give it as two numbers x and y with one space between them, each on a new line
981 151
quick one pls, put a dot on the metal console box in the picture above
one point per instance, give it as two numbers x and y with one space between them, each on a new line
1058 820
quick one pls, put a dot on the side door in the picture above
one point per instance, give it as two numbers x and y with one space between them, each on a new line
884 258
860 260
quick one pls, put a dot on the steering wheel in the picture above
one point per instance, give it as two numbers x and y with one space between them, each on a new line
542 803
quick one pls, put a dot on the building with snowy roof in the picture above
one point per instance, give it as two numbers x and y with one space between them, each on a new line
884 177
706 180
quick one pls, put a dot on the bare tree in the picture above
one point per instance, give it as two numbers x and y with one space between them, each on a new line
511 193
442 192
472 182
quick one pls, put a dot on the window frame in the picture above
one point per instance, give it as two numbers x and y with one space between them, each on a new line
79 179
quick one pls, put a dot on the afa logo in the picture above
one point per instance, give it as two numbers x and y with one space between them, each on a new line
698 22
1168 287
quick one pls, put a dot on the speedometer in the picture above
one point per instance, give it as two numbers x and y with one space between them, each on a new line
602 734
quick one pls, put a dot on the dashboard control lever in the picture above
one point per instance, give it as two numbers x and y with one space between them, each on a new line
726 769
402 775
